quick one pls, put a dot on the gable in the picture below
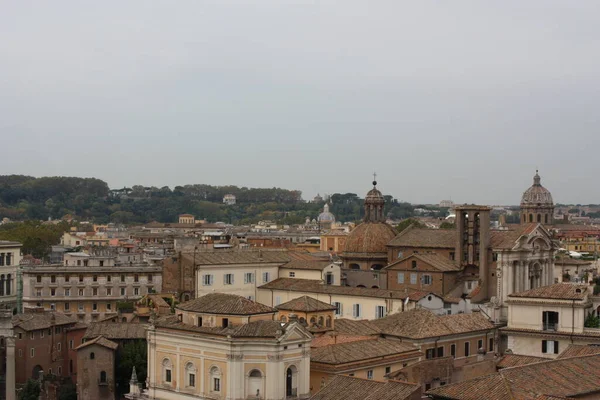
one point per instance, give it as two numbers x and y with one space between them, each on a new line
295 331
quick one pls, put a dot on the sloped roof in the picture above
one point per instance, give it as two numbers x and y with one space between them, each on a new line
317 286
343 353
507 239
421 323
568 377
518 360
437 261
225 257
558 291
315 265
41 320
101 341
305 304
255 329
578 350
361 327
116 331
227 304
342 387
422 237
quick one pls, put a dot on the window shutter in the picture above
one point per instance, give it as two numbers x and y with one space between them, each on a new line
544 345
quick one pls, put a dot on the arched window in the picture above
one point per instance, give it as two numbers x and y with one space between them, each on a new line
546 218
524 218
215 379
92 355
190 375
283 318
530 217
354 266
2 285
8 284
167 370
102 376
313 320
302 320
328 322
255 374
321 321
539 218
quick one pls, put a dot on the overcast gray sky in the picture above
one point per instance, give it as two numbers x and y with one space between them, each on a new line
460 99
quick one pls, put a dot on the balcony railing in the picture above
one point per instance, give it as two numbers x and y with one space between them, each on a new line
548 326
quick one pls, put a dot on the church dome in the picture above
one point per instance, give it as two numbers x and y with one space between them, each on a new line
537 195
369 237
326 216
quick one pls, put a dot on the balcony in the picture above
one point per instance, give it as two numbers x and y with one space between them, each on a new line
549 326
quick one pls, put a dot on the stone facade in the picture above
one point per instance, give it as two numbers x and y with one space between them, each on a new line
96 377
10 257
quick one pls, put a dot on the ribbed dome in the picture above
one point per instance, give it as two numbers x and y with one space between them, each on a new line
537 195
369 237
374 196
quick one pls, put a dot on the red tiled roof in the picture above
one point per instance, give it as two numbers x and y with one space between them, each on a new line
342 387
223 303
437 261
305 304
517 360
421 237
558 291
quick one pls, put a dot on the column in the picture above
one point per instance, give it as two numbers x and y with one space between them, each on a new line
526 278
10 369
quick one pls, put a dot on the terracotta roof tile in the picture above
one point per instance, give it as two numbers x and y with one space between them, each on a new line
317 286
420 237
369 237
517 360
101 341
560 378
116 331
223 303
343 387
226 257
422 323
437 261
42 320
315 265
305 304
578 350
265 329
349 352
558 291
356 327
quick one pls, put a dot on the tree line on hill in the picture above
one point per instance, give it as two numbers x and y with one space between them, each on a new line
29 198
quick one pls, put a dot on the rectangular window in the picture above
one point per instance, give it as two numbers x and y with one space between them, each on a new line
356 310
32 335
192 380
109 278
149 278
491 345
452 256
292 274
388 370
168 375
413 279
136 291
467 349
338 308
67 292
52 278
80 307
228 279
38 279
136 278
71 344
379 311
440 351
67 307
550 346
80 278
95 292
249 277
429 353
38 293
95 307
20 352
42 333
102 263
370 374
59 371
122 291
52 292
480 345
426 279
52 307
207 280
109 291
217 384
80 292
58 346
95 278
329 278
32 352
400 277
550 320
266 277
108 307
453 350
122 278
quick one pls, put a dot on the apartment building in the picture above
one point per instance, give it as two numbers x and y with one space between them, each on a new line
10 257
87 292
